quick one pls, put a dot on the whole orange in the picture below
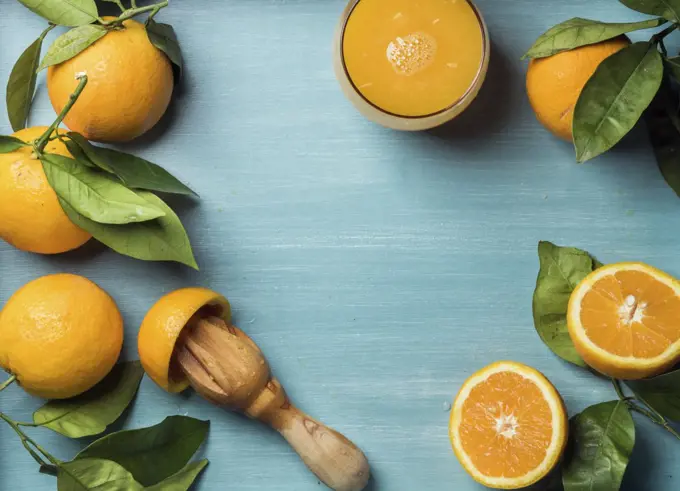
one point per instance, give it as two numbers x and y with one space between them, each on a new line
129 85
554 83
31 217
60 335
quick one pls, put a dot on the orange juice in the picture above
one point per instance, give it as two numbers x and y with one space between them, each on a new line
414 58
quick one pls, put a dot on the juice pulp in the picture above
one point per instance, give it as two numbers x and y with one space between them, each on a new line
413 57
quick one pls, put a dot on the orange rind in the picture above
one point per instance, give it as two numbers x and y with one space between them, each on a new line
60 335
163 325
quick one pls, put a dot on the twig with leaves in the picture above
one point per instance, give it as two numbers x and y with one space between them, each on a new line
624 85
122 459
609 424
110 194
87 28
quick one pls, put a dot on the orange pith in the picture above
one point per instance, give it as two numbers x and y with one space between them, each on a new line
508 426
623 319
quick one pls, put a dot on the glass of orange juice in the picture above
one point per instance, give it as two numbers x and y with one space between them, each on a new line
411 64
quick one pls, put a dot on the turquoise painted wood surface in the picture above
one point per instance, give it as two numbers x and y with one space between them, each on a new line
376 269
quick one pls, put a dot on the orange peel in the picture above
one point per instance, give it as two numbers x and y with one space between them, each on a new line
162 327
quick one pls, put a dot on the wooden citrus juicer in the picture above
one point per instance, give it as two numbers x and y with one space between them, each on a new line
226 367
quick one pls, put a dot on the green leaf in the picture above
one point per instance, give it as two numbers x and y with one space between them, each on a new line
615 97
561 269
90 413
95 474
155 453
663 126
673 65
21 83
159 240
134 172
94 194
86 149
69 13
669 9
577 32
603 439
163 37
10 144
77 153
661 393
71 43
182 480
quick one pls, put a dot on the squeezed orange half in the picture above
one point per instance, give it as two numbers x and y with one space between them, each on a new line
413 58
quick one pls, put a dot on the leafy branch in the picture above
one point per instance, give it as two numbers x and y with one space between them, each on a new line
110 193
608 425
8 382
625 86
132 12
40 143
115 457
88 27
634 402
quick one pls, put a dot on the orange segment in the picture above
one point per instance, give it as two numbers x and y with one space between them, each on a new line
508 426
622 319
163 325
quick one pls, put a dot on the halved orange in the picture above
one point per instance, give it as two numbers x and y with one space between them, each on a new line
508 426
162 327
624 320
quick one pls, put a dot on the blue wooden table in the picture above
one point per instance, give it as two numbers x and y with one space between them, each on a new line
377 270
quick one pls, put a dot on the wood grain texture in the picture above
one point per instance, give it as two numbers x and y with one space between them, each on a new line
376 269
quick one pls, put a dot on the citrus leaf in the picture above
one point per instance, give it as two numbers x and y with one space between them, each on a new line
21 83
603 439
561 269
154 453
615 97
577 32
661 393
95 474
669 9
663 126
71 43
77 153
10 144
673 65
69 13
163 37
133 171
159 240
94 194
182 480
85 148
90 413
